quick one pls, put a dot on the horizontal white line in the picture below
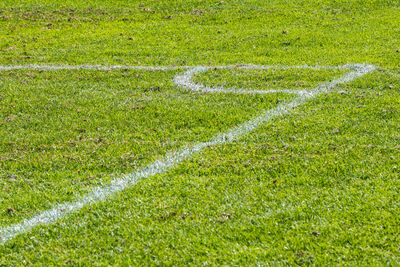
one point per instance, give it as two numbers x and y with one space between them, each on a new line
170 160
159 68
88 67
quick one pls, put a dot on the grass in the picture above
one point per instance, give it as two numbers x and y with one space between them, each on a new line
296 79
318 186
66 134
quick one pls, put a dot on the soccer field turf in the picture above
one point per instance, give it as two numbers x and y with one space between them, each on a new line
199 132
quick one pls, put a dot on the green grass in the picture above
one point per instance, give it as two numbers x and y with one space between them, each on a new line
274 78
318 186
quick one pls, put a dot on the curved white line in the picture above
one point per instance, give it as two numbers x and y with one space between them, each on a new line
186 80
170 160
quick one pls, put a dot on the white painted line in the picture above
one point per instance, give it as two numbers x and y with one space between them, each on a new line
170 160
48 67
186 80
284 67
88 67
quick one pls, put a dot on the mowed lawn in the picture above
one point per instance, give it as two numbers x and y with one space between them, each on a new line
319 185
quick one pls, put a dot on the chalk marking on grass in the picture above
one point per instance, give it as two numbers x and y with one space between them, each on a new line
171 159
48 67
186 80
89 67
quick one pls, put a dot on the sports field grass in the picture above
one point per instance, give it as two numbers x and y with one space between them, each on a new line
104 163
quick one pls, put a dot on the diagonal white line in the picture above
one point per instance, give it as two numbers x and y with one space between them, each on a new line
170 160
